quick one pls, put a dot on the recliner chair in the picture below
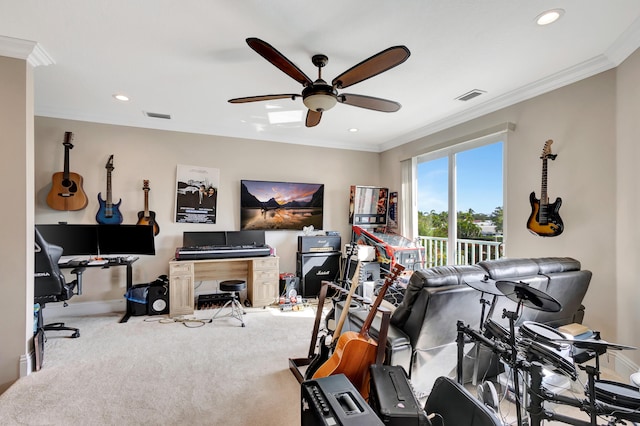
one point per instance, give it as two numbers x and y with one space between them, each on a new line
50 284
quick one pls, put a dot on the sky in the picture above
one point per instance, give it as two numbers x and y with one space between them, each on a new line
479 181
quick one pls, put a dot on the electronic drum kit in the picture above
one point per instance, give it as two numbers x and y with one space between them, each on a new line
536 346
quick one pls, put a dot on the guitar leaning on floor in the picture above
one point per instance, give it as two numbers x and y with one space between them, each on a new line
545 220
325 348
148 217
355 352
108 213
66 187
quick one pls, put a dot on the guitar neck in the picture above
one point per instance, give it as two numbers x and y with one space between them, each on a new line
109 202
65 174
543 190
347 304
397 270
146 202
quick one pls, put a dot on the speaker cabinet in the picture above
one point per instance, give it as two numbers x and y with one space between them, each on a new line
158 299
313 268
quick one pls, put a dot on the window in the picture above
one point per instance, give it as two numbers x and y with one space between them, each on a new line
459 198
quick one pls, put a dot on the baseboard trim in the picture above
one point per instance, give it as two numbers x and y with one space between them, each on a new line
57 310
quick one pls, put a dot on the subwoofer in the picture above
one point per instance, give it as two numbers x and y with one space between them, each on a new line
313 268
158 299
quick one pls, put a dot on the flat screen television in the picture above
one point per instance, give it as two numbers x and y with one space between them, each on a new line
126 239
270 206
75 240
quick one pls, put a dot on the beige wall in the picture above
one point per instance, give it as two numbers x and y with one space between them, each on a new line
581 120
16 227
627 309
151 154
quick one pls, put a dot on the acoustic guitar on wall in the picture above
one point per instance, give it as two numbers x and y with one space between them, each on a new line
148 217
356 352
108 212
66 187
545 220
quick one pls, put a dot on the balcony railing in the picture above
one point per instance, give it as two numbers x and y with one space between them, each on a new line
468 252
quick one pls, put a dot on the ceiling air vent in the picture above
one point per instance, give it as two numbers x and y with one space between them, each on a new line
158 115
470 95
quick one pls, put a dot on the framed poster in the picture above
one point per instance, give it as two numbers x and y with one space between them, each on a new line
196 194
368 206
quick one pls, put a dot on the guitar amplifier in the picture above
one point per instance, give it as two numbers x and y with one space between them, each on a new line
318 244
334 401
392 398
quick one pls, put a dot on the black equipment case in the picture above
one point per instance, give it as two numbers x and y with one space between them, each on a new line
392 398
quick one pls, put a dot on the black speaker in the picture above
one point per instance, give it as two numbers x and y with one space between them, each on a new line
313 268
158 299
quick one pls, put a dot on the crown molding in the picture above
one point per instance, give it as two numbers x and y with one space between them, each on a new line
621 49
28 50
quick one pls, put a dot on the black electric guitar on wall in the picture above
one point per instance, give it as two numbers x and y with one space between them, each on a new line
545 220
109 213
148 217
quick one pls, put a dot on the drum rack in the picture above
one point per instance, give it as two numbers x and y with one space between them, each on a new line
615 401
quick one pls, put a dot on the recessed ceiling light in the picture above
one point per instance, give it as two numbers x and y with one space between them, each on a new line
353 130
549 16
121 97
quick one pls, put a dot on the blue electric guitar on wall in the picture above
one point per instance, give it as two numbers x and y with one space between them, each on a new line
108 213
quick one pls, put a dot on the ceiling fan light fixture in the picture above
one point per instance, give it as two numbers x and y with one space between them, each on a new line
320 102
319 97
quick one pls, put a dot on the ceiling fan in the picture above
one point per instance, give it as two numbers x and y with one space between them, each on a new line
319 96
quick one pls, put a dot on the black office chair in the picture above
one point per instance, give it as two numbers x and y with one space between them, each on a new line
50 284
449 403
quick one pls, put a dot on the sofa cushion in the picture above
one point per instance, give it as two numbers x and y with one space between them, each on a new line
549 265
509 268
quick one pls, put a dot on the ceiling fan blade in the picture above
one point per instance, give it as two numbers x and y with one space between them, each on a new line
373 66
369 102
270 53
313 118
263 98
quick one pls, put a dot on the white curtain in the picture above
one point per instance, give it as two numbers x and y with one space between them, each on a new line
409 200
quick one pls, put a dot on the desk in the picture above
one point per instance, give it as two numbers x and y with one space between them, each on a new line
261 273
117 262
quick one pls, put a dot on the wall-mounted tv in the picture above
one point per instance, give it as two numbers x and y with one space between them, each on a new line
273 206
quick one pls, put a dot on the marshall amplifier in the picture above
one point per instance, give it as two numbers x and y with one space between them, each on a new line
313 268
319 244
334 401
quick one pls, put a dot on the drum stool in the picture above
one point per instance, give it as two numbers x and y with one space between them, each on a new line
234 287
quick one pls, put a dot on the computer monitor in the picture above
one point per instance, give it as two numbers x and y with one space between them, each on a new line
126 239
76 240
